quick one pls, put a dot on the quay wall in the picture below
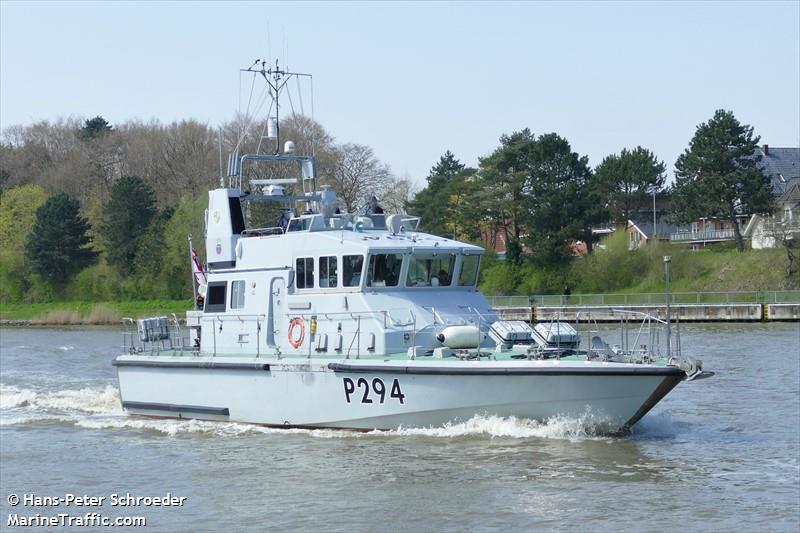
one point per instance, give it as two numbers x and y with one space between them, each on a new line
727 312
782 312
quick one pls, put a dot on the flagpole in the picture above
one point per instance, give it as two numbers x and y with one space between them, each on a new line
191 268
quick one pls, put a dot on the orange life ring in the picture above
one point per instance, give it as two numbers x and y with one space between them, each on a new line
297 322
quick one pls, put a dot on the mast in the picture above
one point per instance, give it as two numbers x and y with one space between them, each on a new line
276 79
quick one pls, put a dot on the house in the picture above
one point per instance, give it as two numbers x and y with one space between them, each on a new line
579 248
641 233
494 237
707 230
783 166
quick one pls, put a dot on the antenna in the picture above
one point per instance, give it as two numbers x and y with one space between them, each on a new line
221 178
276 79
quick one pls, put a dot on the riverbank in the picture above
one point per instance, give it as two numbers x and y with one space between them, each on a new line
87 313
615 269
699 307
733 312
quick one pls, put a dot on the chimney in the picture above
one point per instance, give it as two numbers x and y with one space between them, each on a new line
766 149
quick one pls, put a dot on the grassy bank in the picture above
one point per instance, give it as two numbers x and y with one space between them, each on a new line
65 313
615 269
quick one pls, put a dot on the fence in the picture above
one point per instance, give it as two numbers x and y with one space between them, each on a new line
746 297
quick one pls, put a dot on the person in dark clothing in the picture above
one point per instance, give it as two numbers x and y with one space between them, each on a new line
283 220
373 208
567 294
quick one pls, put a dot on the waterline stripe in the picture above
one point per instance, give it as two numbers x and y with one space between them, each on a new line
507 371
172 408
221 365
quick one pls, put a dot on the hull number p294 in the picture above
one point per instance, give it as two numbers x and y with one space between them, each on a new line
374 391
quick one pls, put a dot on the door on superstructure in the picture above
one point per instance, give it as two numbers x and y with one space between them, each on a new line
276 321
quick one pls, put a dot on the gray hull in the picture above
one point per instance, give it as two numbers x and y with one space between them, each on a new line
387 395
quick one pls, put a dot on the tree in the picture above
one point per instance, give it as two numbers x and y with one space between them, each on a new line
57 247
148 260
18 208
429 202
357 175
628 180
126 217
4 177
175 268
505 174
463 206
718 175
397 195
562 199
94 128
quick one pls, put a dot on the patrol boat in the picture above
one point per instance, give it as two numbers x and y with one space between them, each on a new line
340 320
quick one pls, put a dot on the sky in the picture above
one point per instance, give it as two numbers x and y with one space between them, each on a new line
413 79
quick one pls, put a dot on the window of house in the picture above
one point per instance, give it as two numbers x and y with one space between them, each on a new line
468 276
237 294
695 227
787 214
328 272
304 273
384 270
215 297
352 265
430 270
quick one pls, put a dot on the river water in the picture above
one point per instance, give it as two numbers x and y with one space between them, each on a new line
716 454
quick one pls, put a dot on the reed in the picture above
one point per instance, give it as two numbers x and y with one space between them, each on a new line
103 314
59 317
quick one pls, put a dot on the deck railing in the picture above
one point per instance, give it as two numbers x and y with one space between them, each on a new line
700 236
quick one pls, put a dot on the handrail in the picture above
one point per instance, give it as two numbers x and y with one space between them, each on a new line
645 315
263 232
710 235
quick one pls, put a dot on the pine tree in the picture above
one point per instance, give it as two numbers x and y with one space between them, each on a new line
94 128
127 217
718 175
628 180
430 202
562 199
57 247
503 176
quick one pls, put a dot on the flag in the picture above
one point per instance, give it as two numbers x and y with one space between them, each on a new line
198 270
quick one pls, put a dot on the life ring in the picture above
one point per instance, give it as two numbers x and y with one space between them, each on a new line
297 322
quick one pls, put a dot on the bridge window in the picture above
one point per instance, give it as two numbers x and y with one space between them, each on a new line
431 270
215 297
384 270
305 273
352 265
237 294
328 272
468 277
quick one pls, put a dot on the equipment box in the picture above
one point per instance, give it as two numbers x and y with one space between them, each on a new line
511 331
153 329
558 334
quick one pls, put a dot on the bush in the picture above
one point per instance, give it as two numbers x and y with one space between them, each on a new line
611 269
500 279
97 283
